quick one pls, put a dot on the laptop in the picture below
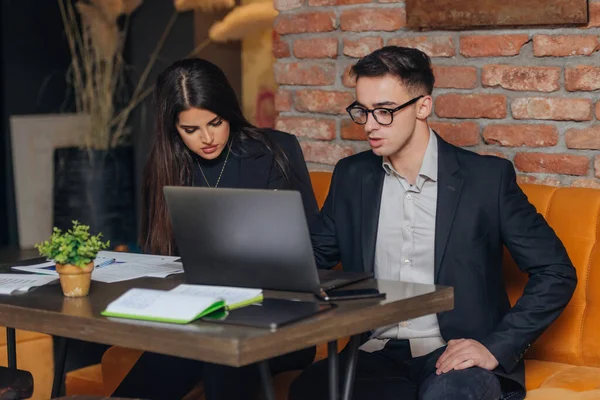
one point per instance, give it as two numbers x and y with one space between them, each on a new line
247 238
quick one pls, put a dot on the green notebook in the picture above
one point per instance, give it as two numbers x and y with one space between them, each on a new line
181 305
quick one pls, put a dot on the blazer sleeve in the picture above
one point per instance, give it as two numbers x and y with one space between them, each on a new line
552 278
323 233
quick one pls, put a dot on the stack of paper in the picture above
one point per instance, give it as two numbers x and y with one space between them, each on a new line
16 283
126 266
130 270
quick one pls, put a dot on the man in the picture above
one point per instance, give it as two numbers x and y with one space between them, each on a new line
418 209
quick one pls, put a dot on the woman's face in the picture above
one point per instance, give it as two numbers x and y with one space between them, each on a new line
203 132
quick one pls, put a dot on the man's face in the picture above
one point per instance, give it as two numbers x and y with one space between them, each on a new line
387 92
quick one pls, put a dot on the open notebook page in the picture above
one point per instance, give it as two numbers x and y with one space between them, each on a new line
160 305
234 296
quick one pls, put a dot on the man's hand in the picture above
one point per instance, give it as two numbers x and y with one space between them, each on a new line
463 354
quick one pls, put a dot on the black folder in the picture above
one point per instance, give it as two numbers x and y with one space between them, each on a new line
270 313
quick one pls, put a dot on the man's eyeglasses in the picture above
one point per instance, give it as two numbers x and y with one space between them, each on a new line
383 116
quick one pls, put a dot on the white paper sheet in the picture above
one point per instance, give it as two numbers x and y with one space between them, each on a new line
45 268
127 266
13 283
133 270
134 257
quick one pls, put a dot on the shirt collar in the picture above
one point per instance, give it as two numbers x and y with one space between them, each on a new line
429 166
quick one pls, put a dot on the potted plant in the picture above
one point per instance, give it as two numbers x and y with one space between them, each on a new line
74 252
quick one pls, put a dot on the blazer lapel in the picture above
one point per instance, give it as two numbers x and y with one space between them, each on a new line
371 189
255 166
449 189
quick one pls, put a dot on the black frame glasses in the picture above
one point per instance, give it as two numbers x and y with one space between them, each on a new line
388 111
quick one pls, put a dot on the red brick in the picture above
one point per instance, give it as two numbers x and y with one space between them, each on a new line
459 134
321 3
598 110
597 166
284 5
454 105
373 19
325 3
321 101
391 1
283 100
552 108
316 73
582 77
314 21
352 131
493 153
455 77
325 153
347 79
363 46
564 45
312 128
530 79
433 46
280 47
551 163
492 46
521 135
534 180
589 183
586 138
349 2
594 11
316 48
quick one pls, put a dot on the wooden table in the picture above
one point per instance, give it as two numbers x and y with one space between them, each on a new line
46 310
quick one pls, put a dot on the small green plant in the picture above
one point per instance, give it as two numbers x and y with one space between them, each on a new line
75 247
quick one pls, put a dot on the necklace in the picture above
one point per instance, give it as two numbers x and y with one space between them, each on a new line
222 169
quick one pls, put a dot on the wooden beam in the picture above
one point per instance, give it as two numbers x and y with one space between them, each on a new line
460 14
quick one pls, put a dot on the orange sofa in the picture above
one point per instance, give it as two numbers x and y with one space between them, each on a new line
34 354
564 363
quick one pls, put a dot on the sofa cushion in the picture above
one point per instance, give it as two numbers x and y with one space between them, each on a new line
562 394
546 375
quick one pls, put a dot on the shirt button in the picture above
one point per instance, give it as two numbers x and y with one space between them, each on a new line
407 261
409 196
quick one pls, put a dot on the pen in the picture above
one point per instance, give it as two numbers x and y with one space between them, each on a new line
105 263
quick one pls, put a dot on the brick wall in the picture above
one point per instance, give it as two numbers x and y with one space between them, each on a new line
529 95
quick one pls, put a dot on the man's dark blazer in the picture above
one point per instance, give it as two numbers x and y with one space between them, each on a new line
479 209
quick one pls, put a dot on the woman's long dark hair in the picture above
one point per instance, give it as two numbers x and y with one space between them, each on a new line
189 83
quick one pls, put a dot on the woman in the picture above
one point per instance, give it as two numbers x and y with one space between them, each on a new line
203 139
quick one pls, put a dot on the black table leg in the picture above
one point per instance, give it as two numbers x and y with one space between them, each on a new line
334 381
352 350
267 382
11 347
59 367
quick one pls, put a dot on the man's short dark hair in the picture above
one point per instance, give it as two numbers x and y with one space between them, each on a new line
411 66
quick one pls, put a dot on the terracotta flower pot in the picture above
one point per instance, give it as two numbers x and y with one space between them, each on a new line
75 281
